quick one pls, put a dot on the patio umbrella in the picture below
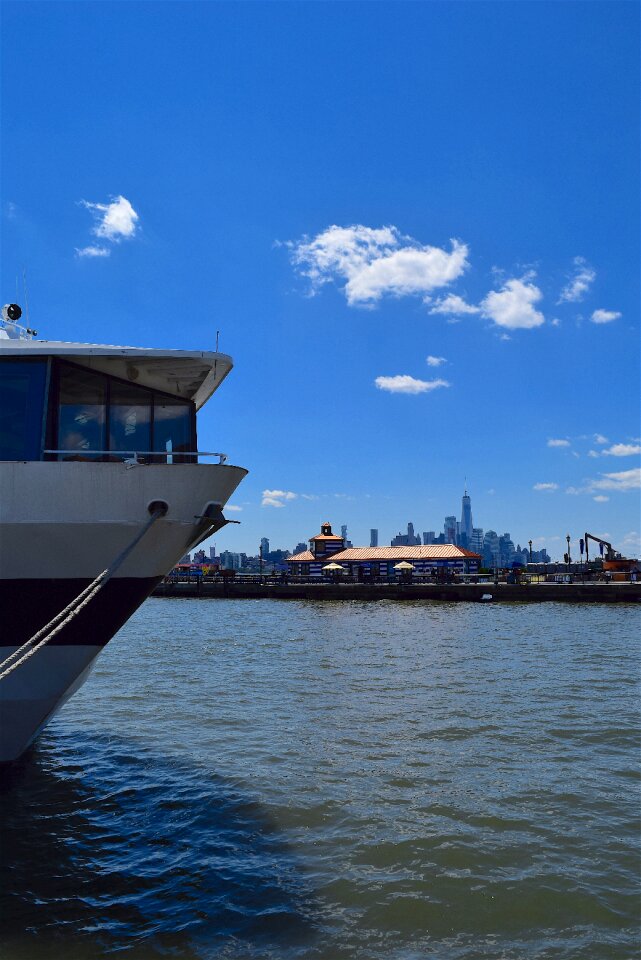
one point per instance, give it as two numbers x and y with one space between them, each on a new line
334 566
403 565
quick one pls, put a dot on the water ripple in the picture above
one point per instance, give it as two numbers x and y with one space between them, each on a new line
325 781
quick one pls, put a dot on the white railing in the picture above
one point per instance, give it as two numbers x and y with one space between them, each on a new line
130 457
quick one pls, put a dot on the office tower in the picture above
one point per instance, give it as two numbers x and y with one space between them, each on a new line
264 547
406 539
212 552
344 531
373 537
428 537
466 516
506 550
449 529
476 540
299 548
491 550
229 560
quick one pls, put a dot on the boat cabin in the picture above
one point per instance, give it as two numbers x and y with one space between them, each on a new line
81 402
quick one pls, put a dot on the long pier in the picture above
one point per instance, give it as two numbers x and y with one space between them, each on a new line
471 592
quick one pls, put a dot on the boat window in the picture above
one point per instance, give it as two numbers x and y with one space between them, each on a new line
22 396
129 417
81 412
172 428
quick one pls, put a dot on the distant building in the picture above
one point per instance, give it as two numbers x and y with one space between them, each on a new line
428 537
185 559
476 540
212 552
491 552
199 556
449 529
299 547
406 539
373 537
466 516
230 561
344 531
506 550
264 547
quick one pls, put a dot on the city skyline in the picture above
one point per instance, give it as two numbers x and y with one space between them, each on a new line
425 272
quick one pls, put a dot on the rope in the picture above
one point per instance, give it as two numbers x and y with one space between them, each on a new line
51 629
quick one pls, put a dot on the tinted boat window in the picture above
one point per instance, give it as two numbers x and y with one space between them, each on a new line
129 418
22 396
172 427
81 412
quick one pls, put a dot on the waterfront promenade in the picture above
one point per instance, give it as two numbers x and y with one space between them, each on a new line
586 592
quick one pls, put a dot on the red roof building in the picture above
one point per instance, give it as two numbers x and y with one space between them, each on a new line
366 562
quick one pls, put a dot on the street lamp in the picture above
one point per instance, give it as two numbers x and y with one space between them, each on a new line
530 546
568 538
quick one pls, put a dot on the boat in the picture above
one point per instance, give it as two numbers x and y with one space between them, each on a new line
102 491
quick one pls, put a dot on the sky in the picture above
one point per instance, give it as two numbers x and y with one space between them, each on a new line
415 225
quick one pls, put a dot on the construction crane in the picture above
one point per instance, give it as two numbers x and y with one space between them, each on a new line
613 562
609 552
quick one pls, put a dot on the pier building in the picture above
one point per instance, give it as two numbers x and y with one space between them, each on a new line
366 562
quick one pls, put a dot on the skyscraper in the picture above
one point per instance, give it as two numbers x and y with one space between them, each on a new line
449 529
466 516
344 531
373 537
264 547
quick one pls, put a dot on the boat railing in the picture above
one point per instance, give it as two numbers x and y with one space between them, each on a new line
131 457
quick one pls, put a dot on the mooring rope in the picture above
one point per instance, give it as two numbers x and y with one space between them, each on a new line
51 629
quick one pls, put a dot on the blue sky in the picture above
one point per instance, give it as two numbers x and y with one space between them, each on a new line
344 190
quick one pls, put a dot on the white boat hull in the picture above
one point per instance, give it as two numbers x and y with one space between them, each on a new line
74 520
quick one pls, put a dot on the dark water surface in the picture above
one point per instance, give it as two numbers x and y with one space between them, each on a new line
267 779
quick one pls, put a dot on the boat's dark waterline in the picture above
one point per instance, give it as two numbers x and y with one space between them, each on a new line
27 605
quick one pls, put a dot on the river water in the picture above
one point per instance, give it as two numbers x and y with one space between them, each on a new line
340 781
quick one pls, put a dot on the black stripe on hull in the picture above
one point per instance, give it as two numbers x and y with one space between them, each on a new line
27 605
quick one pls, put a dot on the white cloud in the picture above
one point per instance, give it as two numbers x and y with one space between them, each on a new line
114 221
277 498
435 361
375 262
546 487
403 383
604 316
622 481
453 304
631 542
233 507
558 443
601 498
622 450
599 438
593 453
92 251
578 284
512 307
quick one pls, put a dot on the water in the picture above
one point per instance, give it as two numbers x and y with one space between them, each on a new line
337 781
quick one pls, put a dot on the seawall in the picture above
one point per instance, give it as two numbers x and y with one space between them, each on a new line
471 592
